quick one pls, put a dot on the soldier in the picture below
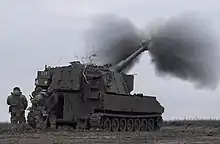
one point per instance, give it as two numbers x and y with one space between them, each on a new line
38 104
33 109
17 105
52 107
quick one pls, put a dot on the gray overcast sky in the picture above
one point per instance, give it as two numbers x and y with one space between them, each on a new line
35 33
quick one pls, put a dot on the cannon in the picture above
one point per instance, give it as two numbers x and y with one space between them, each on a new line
99 96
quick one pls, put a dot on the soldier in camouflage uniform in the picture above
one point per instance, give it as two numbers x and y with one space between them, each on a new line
39 107
52 107
17 105
33 109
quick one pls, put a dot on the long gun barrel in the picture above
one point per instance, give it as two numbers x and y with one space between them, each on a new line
123 64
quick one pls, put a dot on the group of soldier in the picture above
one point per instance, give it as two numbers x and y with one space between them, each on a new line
41 109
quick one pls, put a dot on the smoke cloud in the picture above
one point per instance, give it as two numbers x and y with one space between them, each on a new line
113 39
182 47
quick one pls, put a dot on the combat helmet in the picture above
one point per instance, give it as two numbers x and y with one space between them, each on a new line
36 91
16 91
16 88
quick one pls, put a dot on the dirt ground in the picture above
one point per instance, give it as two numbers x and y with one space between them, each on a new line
175 132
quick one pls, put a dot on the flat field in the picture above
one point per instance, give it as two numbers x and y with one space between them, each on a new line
173 132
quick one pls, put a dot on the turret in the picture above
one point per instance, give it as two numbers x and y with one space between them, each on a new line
123 64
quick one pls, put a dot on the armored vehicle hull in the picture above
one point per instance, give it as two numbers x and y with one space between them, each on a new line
113 112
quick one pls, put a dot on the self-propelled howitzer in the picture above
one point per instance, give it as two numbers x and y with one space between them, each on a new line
100 96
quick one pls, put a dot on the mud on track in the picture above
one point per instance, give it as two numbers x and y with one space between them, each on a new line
172 132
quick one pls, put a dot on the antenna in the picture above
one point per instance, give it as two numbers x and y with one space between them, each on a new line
59 61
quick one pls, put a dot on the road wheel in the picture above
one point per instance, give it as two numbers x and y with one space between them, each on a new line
123 125
115 125
107 124
130 125
150 124
137 124
159 122
143 125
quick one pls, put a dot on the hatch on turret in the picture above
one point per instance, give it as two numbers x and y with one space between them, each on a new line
74 62
129 81
67 78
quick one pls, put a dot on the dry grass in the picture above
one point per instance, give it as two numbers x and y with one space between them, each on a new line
5 125
173 131
198 122
186 122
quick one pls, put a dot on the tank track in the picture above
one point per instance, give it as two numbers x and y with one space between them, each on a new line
116 123
125 123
